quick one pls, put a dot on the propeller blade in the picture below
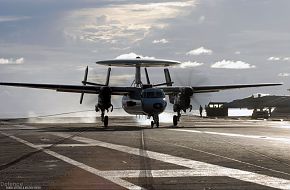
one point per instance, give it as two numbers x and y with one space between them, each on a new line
82 97
86 76
84 83
108 77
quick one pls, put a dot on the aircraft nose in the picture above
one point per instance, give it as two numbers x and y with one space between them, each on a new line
157 106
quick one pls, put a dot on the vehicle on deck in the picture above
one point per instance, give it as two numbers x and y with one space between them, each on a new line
216 109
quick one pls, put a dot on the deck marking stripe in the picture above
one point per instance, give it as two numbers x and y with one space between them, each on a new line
234 135
80 165
199 167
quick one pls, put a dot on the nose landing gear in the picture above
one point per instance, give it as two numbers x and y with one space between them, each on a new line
155 121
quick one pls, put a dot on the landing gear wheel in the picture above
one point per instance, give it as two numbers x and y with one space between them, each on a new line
157 124
106 121
152 124
175 120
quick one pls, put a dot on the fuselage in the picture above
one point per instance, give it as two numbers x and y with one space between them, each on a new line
150 101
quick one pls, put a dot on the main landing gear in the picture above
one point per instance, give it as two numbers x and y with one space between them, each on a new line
105 119
155 121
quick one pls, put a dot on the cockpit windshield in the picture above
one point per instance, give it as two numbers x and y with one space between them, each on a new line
156 93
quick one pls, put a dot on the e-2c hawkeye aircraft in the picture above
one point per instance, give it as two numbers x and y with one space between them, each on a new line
138 99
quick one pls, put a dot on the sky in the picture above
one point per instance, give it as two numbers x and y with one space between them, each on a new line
218 42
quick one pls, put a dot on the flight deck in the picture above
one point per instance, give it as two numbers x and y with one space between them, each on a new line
201 153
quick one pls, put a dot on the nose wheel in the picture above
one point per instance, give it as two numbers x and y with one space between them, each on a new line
155 121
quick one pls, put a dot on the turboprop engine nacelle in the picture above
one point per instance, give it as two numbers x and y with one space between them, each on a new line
183 99
104 98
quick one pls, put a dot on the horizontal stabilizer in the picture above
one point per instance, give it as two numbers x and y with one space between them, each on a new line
92 83
162 84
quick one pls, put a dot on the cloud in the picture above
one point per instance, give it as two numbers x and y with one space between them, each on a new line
132 56
190 64
237 52
274 59
4 61
123 23
199 51
278 58
284 74
227 64
201 19
13 18
163 41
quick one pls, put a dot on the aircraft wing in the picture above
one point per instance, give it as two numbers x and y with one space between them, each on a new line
71 88
206 89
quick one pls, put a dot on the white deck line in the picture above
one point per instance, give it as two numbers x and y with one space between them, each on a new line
286 140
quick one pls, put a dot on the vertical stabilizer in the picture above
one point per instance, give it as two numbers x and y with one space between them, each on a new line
167 77
147 76
169 83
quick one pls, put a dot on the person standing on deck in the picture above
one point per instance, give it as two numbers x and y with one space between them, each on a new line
200 110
